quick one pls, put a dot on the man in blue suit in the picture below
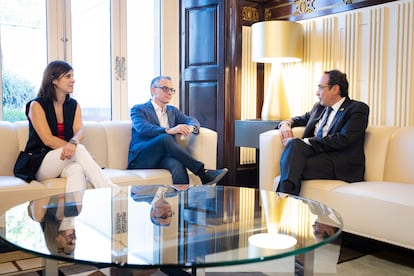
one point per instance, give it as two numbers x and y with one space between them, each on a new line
332 146
155 125
161 212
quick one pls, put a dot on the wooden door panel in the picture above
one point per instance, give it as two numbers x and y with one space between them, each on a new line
203 101
201 36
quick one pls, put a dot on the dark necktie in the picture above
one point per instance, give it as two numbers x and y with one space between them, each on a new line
328 111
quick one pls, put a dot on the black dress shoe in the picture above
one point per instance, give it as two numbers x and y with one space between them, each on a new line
212 176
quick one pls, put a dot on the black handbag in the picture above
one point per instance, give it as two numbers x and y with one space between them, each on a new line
27 164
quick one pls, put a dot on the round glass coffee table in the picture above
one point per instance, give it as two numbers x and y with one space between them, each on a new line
155 226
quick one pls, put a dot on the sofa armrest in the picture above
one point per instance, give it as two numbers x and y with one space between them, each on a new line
271 149
205 148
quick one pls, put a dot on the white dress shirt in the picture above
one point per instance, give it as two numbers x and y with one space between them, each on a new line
161 114
335 109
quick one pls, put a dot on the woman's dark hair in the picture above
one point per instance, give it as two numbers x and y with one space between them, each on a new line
54 71
339 78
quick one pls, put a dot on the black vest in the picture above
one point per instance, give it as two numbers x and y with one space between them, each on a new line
34 143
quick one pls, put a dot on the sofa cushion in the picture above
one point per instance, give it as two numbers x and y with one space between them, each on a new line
12 182
399 163
153 176
145 177
22 132
118 135
95 141
139 176
377 210
393 192
320 189
14 190
376 138
9 148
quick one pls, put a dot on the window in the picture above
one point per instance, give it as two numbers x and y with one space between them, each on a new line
113 45
23 54
91 57
113 55
142 65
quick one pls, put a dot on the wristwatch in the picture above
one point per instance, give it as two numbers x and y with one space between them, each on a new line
73 142
282 123
196 130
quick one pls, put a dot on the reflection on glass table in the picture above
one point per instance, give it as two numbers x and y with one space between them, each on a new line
175 227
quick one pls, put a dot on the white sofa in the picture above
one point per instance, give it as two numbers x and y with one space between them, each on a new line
382 206
107 142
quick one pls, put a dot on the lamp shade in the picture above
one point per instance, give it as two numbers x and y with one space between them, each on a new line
277 41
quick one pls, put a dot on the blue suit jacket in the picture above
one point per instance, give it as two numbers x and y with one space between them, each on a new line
146 126
345 139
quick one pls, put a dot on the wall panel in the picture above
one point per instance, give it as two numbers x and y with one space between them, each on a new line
377 63
404 68
374 46
248 95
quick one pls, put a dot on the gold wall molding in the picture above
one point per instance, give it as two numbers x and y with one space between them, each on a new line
250 14
268 14
303 6
305 9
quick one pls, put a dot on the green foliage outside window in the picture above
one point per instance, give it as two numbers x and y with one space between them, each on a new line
17 91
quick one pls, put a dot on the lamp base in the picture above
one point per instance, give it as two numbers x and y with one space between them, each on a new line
275 104
272 241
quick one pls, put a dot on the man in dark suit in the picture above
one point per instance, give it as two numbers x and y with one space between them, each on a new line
156 126
332 146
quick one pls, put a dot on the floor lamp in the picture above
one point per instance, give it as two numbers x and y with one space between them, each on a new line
276 42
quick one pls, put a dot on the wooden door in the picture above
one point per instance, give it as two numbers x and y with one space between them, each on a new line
202 65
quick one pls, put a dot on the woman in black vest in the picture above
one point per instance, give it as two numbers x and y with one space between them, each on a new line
56 215
55 128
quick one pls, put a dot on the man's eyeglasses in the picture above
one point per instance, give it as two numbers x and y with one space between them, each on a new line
320 87
166 89
165 216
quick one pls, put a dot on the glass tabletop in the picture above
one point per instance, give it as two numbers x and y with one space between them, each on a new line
165 226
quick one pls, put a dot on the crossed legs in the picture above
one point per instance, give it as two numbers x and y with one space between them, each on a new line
298 162
164 152
76 170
